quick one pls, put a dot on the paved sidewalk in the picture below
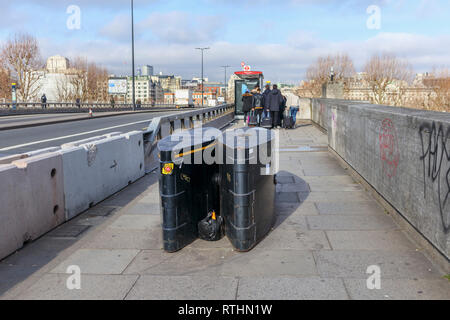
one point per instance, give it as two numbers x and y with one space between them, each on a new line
328 232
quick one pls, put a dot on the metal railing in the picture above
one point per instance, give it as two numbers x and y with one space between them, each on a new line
54 107
164 126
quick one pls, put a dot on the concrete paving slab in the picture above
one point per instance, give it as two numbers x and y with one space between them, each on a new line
125 239
369 240
304 209
289 288
98 287
338 196
137 222
11 275
98 261
393 264
295 238
400 289
223 243
37 254
357 222
266 262
293 187
144 208
184 288
349 208
291 197
285 179
191 261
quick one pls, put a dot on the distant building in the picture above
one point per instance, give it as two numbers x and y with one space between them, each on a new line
146 90
168 83
57 64
147 70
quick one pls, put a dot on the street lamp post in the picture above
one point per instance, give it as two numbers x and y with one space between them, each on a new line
132 55
226 83
202 49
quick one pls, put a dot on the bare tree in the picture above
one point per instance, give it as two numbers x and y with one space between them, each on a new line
78 76
387 78
64 89
21 58
319 73
440 84
97 78
5 83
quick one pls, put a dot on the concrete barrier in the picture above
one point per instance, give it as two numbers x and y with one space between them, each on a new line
404 154
32 200
94 169
39 190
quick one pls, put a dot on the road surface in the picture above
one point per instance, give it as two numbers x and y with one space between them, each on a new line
33 138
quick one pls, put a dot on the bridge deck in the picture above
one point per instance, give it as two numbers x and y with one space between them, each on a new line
329 231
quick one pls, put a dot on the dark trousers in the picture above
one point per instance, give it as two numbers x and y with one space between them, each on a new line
259 113
275 118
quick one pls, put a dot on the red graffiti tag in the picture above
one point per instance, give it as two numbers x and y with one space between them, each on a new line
389 151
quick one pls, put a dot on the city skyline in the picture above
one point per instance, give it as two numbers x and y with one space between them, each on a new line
281 40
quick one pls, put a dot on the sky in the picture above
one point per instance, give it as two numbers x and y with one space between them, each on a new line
279 37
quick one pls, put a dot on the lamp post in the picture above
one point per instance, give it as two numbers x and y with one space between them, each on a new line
226 83
202 49
132 55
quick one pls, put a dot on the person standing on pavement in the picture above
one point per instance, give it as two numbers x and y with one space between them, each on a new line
78 103
247 99
44 101
275 102
258 102
112 101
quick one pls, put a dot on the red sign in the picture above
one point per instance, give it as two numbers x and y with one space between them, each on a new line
247 68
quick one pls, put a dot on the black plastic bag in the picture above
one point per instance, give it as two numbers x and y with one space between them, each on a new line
211 228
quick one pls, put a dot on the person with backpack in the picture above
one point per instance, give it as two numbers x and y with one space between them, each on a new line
247 99
44 101
275 102
258 103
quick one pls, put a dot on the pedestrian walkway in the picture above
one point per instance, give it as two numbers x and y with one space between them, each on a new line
329 231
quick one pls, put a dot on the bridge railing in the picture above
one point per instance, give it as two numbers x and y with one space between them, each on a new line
161 127
55 107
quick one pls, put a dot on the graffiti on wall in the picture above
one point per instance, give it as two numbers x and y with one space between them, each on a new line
389 151
436 165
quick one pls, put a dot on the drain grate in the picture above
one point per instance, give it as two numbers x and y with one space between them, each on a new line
72 231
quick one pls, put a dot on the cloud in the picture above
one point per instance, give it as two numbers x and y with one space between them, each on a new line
278 61
183 27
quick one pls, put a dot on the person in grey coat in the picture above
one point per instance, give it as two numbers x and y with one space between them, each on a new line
275 100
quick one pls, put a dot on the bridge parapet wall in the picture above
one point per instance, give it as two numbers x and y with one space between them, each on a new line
404 154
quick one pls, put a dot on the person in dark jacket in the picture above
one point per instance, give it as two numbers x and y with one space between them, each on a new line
275 101
44 101
78 103
258 102
247 99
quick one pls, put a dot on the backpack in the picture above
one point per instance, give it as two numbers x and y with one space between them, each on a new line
258 101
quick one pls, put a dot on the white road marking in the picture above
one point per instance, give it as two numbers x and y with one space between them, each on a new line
71 136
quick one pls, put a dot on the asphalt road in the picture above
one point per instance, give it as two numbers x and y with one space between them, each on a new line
28 139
